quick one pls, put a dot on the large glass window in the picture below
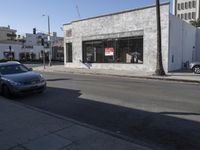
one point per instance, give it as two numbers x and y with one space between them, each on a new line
118 50
93 52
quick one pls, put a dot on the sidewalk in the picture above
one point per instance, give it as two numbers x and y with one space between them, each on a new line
175 76
26 128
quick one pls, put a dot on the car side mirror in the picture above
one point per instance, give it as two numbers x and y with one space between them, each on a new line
30 69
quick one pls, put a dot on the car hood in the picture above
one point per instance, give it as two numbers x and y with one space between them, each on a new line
196 62
23 77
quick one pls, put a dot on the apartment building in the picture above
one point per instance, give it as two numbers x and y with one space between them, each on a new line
7 33
187 10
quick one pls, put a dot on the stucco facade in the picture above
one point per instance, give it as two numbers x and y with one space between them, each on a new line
137 22
179 39
183 44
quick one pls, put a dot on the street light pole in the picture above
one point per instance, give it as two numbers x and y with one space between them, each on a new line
49 39
10 53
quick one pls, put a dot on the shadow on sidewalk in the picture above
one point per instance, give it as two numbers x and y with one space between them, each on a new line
153 128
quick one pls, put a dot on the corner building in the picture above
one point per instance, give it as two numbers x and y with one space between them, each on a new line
126 40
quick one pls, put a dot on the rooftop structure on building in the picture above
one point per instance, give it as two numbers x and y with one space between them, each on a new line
7 33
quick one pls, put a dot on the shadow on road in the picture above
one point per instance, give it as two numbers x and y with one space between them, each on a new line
153 128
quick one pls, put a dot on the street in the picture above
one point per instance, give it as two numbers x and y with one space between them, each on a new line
160 113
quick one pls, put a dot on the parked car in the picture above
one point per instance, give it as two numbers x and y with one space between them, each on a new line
195 67
17 79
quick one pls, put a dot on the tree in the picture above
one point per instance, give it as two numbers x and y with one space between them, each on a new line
196 23
159 65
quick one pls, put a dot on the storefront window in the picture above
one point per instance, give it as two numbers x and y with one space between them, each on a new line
118 50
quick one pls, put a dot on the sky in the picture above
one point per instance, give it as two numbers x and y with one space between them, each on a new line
24 15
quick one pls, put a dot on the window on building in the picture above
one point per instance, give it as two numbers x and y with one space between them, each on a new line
178 16
182 16
186 5
182 5
193 15
119 50
190 4
189 16
186 16
68 33
194 4
93 51
69 52
179 6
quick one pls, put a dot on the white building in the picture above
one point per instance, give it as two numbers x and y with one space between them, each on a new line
29 46
187 10
127 40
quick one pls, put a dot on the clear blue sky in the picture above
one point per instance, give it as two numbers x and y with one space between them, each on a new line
23 15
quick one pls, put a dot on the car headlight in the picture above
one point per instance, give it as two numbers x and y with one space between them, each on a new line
42 78
15 83
11 82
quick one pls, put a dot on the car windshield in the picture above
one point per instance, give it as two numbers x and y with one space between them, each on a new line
13 69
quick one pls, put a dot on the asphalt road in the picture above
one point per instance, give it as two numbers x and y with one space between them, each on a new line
156 112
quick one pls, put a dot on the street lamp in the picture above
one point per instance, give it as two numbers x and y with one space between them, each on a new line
49 39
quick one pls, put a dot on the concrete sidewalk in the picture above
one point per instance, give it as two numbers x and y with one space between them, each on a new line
175 76
26 128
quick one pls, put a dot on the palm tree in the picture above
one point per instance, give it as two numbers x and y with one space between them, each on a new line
196 23
159 66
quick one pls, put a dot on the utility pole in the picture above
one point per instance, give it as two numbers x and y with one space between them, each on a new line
159 65
78 12
49 39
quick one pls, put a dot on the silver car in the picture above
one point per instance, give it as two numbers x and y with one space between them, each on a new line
195 67
17 79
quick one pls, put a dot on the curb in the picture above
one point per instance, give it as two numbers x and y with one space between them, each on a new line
125 76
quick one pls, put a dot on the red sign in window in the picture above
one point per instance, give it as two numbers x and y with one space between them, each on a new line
109 51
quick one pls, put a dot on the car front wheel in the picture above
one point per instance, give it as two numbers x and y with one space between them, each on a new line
196 69
6 92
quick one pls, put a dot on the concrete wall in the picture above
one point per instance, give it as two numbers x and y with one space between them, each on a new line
198 45
182 43
128 23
